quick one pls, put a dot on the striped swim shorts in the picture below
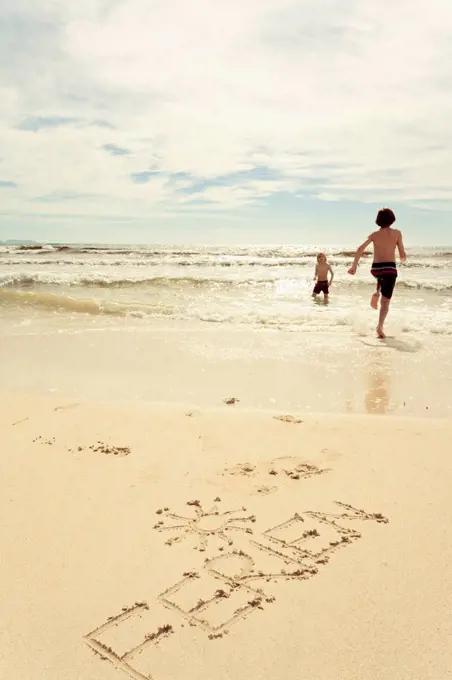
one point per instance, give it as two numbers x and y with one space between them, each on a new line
386 275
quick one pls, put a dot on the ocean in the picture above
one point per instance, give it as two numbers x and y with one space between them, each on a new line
243 286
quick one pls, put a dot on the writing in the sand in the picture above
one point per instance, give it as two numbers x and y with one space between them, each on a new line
228 587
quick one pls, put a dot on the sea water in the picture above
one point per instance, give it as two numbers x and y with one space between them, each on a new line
244 286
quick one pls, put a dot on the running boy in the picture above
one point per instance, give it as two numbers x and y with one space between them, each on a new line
322 269
385 242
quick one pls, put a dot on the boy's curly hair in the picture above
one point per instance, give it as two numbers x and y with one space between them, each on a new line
385 217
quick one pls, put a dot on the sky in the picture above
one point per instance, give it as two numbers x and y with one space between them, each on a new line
246 121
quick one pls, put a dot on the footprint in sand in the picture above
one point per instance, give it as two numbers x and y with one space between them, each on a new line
283 468
243 469
288 419
266 490
42 440
66 407
106 449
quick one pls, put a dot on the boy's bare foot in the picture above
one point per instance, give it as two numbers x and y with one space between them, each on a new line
374 301
380 333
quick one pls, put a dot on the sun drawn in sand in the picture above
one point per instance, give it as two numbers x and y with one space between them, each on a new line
204 524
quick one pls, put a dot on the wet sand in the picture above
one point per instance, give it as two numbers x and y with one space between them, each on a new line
336 372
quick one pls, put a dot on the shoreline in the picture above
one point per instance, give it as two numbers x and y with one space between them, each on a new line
312 372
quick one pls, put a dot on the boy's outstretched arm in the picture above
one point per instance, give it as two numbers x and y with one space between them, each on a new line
401 248
358 255
330 269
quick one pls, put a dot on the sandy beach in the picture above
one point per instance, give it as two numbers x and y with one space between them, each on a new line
225 340
163 541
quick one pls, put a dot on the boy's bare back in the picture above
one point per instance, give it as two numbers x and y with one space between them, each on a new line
384 268
385 242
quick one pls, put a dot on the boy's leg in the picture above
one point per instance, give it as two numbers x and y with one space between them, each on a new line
387 284
384 309
375 298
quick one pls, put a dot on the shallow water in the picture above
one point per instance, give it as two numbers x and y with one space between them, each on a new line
251 286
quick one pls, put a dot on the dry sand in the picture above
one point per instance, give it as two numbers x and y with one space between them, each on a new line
223 543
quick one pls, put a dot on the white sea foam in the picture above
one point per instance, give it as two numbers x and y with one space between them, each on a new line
26 277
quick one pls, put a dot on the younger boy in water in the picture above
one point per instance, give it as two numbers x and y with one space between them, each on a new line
322 269
385 242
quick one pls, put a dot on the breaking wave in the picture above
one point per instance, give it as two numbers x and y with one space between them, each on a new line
59 302
149 251
44 279
277 319
301 261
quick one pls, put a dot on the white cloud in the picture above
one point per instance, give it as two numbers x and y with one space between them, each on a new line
342 99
